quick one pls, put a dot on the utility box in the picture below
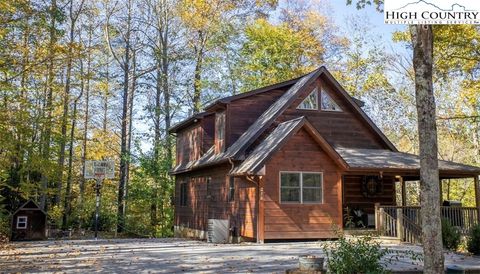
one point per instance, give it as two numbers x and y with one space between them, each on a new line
217 231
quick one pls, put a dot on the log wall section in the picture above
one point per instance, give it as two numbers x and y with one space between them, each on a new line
354 198
295 221
214 204
242 113
345 128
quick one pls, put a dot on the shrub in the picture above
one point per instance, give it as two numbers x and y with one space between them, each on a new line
451 236
360 255
473 240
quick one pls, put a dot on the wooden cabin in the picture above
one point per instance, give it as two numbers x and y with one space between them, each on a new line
29 222
295 160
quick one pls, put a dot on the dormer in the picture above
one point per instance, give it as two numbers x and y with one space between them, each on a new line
219 132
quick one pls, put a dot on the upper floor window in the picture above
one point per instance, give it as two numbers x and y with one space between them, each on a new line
301 187
327 103
310 102
219 132
231 189
183 194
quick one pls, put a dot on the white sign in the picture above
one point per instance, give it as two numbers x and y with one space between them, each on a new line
432 12
95 169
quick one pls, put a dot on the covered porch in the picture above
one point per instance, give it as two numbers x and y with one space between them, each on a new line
377 193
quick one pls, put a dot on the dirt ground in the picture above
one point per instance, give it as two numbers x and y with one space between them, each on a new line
173 256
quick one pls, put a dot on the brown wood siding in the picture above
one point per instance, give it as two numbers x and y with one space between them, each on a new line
289 221
245 208
189 144
353 197
241 211
242 113
344 128
208 125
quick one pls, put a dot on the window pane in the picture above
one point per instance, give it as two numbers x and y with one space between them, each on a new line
290 179
312 195
290 195
312 180
311 101
328 103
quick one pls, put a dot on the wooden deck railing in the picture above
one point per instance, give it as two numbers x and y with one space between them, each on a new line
404 222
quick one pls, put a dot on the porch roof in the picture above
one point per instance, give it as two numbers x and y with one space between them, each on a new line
381 159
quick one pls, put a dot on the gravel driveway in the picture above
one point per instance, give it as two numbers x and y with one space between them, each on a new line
172 256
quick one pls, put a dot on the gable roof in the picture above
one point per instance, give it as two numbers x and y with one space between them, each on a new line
237 150
276 139
357 108
30 205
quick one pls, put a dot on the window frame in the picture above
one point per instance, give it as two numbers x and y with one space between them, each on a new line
301 202
208 187
231 189
329 96
183 194
23 222
317 99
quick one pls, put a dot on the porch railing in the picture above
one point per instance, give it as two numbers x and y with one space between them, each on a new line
404 223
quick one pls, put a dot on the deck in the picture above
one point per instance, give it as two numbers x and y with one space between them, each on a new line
404 222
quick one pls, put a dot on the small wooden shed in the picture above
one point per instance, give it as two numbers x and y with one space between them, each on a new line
29 222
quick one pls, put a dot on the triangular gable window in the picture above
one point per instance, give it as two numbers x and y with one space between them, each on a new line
328 103
311 102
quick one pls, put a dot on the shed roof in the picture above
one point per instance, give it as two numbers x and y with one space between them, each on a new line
381 159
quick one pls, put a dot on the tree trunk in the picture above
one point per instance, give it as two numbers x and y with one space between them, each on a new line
46 135
130 123
197 79
422 38
124 129
67 199
86 118
105 97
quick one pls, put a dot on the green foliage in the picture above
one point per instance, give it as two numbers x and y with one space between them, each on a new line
275 52
4 221
451 236
473 240
360 4
358 255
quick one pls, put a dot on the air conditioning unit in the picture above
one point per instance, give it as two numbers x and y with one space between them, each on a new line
217 231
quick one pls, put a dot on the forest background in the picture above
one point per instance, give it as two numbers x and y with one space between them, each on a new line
90 80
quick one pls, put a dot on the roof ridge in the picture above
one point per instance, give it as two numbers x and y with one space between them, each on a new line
269 115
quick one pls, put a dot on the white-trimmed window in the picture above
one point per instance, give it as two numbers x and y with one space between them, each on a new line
301 187
310 102
22 222
327 103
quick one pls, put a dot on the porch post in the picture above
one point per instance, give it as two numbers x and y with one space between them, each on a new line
377 217
404 191
400 224
477 196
